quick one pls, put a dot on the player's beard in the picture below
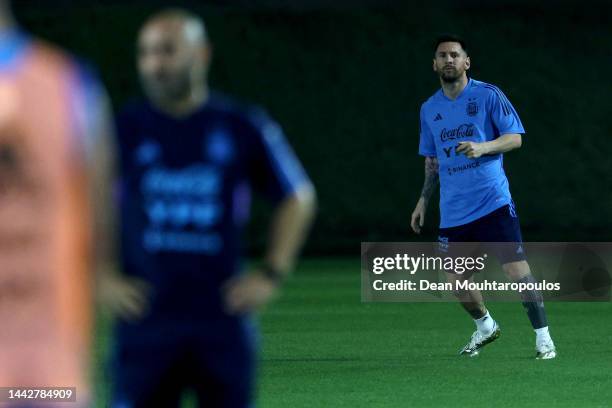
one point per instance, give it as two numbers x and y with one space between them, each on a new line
169 89
450 76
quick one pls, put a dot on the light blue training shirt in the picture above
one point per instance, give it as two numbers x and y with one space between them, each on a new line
469 188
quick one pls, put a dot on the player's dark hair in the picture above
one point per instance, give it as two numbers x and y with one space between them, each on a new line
450 38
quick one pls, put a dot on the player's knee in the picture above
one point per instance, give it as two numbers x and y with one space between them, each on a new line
516 270
461 294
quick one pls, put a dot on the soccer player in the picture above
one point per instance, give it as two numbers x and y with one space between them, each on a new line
189 158
465 128
54 145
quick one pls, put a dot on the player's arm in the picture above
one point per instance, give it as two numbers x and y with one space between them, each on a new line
291 220
429 185
427 148
502 144
275 171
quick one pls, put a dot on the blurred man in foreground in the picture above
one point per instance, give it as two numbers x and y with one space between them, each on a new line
189 158
53 148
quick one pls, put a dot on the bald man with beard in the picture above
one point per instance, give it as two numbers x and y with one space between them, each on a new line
189 159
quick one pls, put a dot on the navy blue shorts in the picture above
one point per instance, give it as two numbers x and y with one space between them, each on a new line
153 365
501 225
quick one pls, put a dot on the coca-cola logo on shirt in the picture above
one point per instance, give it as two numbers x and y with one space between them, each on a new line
460 132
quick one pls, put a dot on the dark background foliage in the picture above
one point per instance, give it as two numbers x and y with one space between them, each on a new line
346 82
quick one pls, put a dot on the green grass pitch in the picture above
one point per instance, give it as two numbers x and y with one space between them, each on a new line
322 347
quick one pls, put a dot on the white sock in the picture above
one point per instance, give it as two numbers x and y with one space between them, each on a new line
542 335
485 324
